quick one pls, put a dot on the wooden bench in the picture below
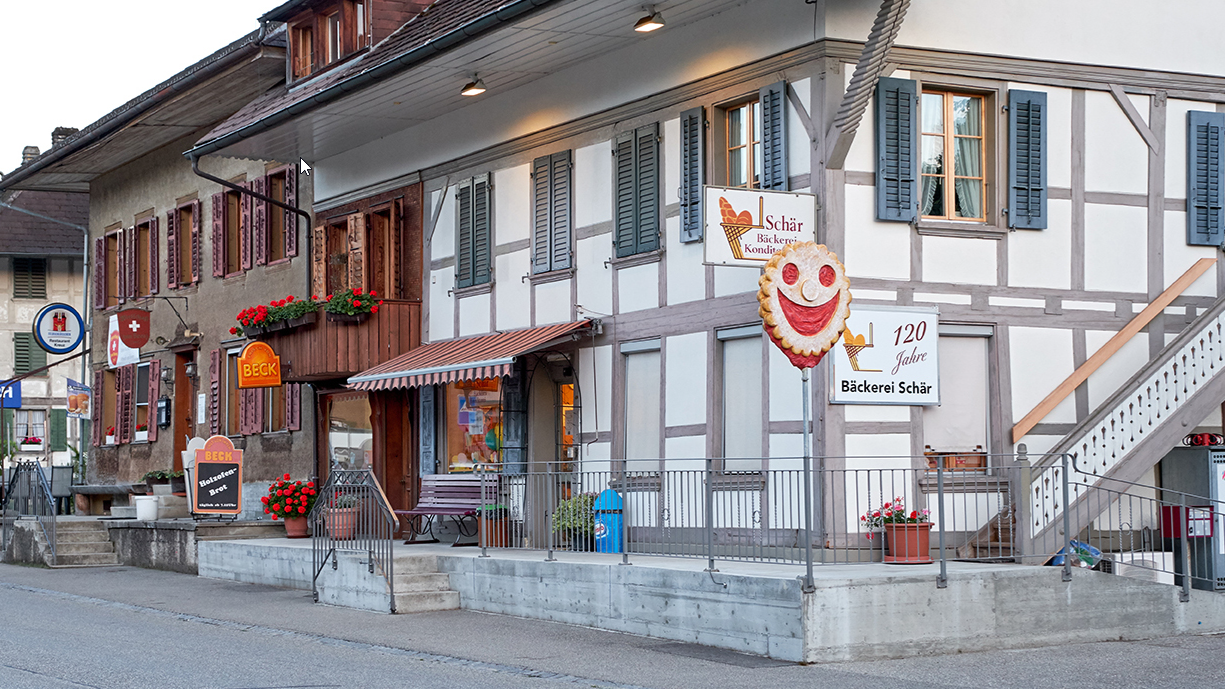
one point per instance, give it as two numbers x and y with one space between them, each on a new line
457 496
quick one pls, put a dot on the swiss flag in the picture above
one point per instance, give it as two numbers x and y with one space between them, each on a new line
134 327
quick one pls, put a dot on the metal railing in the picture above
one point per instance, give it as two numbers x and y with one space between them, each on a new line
352 514
28 494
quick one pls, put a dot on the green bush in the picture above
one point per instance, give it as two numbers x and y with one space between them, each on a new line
574 515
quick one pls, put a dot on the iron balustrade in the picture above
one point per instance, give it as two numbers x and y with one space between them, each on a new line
352 514
28 494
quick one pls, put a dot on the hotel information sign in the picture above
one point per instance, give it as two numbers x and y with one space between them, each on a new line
887 355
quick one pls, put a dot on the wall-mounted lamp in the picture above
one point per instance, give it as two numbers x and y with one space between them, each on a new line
189 369
161 341
473 88
652 21
167 375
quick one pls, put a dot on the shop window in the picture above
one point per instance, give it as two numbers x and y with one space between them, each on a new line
29 423
643 400
952 132
350 433
473 426
29 278
743 412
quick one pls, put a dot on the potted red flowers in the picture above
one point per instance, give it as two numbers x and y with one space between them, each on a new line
291 501
279 314
907 533
351 306
31 444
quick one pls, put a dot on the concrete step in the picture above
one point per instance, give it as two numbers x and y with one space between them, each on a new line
100 547
81 536
88 559
65 525
430 601
417 583
416 564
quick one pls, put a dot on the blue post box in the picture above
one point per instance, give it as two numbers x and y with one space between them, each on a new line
608 509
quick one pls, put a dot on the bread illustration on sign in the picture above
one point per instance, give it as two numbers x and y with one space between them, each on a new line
804 300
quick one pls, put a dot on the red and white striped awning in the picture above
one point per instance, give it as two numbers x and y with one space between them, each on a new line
470 358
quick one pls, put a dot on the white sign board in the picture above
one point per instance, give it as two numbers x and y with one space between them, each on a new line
887 355
744 227
117 353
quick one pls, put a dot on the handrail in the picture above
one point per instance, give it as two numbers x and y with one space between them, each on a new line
1113 345
42 507
368 527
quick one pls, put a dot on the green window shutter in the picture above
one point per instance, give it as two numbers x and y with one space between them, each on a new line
540 214
626 221
1027 159
693 173
896 192
463 235
57 432
29 278
560 210
646 143
774 136
1205 178
27 355
482 234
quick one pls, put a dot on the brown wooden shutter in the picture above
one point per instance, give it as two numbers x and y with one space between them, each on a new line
291 218
121 265
126 408
219 235
172 249
244 227
133 263
319 266
155 265
95 408
258 422
214 386
397 250
195 243
244 412
100 273
155 389
293 406
259 220
357 245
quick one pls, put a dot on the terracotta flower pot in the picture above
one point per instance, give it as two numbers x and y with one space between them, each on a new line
341 522
295 527
908 544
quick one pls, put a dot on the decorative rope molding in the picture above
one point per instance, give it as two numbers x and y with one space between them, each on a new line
1108 350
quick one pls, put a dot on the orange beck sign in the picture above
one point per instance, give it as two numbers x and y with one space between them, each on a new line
258 367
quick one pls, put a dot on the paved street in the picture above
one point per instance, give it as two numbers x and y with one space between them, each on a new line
95 628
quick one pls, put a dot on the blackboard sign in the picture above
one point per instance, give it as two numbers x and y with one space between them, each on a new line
217 484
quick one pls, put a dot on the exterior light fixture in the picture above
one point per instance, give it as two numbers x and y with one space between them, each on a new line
189 369
652 21
473 88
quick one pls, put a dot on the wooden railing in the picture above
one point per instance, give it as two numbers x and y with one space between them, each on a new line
330 350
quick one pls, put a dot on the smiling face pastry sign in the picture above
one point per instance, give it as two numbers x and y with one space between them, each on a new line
805 299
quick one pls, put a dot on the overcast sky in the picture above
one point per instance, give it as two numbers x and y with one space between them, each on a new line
68 63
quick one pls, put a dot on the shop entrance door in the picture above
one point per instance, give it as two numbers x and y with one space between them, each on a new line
182 413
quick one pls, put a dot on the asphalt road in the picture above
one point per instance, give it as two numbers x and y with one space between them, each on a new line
128 627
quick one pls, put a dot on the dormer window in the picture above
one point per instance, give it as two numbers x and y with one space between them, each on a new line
303 51
331 25
325 34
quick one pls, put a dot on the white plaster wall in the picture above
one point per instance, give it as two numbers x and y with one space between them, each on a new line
593 184
735 280
596 456
686 278
595 386
1176 144
671 149
1179 256
1118 368
553 302
1038 444
1043 258
688 447
442 244
685 384
799 143
1116 157
1115 241
1058 132
964 261
594 277
786 445
862 156
786 388
1126 32
638 288
745 34
442 307
474 315
511 292
1041 360
875 412
512 199
873 249
878 451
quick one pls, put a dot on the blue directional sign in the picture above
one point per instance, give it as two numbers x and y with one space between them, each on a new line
12 395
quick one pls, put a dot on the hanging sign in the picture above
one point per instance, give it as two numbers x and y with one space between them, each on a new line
746 227
134 327
804 299
117 353
58 328
216 486
78 400
258 367
887 355
11 396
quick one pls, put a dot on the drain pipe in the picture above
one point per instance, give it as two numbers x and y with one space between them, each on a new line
195 167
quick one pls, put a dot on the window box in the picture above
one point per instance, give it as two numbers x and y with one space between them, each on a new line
254 330
353 319
109 440
30 447
141 437
274 326
304 319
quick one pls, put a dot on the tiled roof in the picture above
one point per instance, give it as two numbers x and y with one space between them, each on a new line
25 234
438 20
